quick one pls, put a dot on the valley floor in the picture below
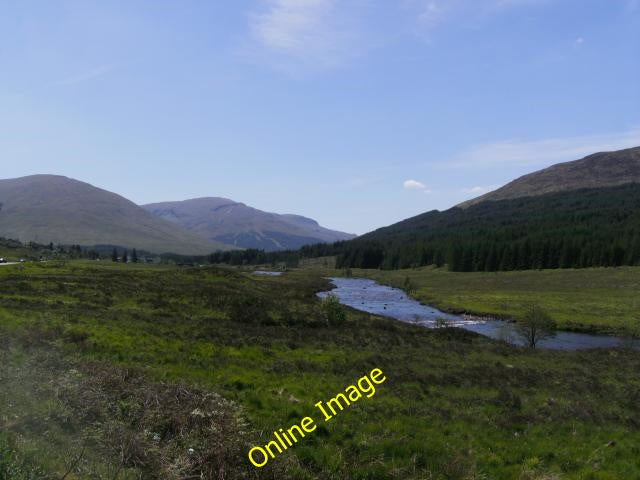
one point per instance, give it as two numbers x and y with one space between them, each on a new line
124 371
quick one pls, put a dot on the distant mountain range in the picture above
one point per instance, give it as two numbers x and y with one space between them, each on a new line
574 214
234 223
580 213
53 208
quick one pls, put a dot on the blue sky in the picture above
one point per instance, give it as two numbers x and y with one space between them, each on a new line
357 113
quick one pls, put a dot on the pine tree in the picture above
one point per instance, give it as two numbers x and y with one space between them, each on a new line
525 259
634 251
134 256
114 255
492 263
506 262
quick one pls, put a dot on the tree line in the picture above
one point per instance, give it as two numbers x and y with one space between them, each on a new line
576 229
573 229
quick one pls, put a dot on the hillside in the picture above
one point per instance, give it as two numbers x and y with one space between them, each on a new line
52 208
576 214
572 229
604 169
237 224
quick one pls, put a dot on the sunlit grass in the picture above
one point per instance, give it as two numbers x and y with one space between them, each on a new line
455 406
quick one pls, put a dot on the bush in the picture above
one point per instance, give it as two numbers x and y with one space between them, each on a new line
442 322
332 312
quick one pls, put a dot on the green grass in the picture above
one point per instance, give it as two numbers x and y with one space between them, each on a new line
455 405
593 300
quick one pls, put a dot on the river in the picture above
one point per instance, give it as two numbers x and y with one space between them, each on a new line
371 297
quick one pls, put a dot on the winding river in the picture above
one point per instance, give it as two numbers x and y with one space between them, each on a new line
371 297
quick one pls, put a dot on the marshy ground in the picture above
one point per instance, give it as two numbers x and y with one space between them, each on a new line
124 371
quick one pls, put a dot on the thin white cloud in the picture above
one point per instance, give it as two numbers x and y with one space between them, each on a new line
287 24
479 190
413 185
497 4
321 34
431 13
543 152
579 41
88 75
314 33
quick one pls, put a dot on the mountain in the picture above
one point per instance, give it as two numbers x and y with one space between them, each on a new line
235 223
571 215
604 169
52 208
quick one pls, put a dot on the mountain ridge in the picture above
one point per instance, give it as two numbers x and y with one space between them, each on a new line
54 208
601 169
243 226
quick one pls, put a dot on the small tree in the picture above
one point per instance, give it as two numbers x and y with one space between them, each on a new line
114 255
332 311
125 256
134 256
408 286
535 325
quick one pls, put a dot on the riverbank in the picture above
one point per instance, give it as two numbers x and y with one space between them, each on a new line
368 296
596 301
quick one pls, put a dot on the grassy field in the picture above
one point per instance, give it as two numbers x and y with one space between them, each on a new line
123 371
601 300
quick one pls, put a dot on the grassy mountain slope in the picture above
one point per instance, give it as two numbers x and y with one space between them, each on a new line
602 169
575 214
235 223
52 208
